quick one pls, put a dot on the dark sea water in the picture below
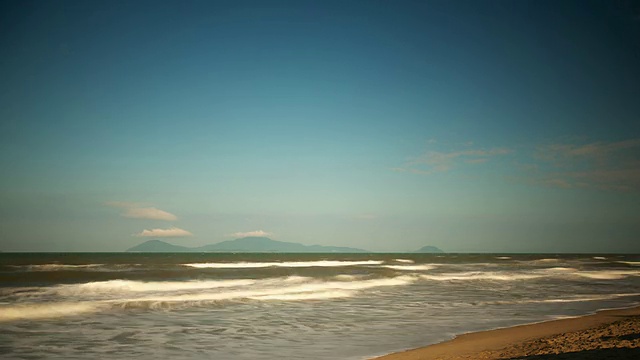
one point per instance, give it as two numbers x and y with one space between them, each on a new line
298 306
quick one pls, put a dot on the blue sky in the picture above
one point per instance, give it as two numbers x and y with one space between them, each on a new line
473 126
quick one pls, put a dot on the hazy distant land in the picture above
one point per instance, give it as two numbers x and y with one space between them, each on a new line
256 244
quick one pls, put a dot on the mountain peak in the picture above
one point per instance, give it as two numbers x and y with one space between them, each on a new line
429 249
156 245
245 244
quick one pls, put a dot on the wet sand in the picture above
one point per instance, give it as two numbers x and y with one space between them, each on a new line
609 334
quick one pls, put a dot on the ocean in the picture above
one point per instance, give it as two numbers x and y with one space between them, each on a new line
296 306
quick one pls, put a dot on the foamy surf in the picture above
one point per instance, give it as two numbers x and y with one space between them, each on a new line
305 289
262 303
560 269
471 276
589 298
407 261
57 267
125 286
410 267
572 299
323 295
100 296
45 311
292 264
591 274
632 263
607 275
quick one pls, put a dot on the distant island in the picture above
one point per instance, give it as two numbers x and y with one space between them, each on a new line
429 250
256 245
246 244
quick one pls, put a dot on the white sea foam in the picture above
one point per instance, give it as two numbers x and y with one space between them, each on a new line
345 277
593 274
633 263
560 269
503 257
56 267
98 296
410 267
316 289
476 275
588 298
289 279
324 263
408 261
18 291
81 267
599 258
577 298
42 311
322 295
123 286
607 274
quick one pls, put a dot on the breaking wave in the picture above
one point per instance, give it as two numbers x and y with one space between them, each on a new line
576 298
43 311
410 267
408 261
98 296
607 274
559 269
56 267
477 275
589 298
293 264
178 283
125 286
633 263
75 267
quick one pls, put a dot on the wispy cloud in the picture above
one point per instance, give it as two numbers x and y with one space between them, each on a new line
173 232
596 151
600 165
257 233
441 161
140 211
149 213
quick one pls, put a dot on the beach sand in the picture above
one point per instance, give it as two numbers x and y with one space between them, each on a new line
609 334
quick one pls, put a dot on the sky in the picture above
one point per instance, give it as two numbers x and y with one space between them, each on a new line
474 126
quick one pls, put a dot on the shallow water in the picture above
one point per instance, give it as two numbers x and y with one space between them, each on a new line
305 306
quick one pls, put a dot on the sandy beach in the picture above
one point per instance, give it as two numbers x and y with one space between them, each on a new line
609 334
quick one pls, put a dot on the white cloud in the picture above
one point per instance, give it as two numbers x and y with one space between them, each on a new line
258 233
149 213
138 211
171 232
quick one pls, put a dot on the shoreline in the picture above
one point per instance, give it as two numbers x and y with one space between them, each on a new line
579 336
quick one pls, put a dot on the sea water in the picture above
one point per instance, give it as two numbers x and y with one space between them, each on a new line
302 306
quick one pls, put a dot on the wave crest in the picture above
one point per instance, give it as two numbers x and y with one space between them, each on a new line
293 264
